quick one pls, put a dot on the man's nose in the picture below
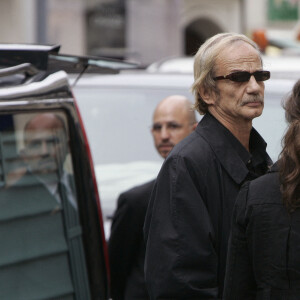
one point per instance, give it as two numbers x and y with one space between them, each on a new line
165 133
253 86
44 148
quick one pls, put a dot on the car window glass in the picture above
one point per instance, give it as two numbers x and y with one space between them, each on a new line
41 253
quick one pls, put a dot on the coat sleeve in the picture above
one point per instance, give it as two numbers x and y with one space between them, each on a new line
181 260
239 279
122 246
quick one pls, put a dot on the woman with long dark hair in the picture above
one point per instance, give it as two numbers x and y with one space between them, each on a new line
264 248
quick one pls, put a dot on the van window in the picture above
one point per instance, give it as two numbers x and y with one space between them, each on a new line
41 252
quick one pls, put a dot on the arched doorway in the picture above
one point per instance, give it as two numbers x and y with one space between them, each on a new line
197 32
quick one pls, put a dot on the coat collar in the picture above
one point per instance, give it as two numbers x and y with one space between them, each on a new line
230 152
274 168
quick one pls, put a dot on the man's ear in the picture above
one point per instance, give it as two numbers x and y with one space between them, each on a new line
207 95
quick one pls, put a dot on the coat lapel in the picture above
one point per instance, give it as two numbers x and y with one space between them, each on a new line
210 129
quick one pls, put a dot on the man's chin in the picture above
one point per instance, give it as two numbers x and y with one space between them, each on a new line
44 166
254 114
253 111
47 172
164 153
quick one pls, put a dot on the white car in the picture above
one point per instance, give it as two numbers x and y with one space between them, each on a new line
117 113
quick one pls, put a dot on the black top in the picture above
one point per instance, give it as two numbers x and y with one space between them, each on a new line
188 220
126 244
263 257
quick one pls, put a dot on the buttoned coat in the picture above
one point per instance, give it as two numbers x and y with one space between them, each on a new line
189 214
263 258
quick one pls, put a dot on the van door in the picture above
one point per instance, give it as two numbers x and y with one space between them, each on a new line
51 243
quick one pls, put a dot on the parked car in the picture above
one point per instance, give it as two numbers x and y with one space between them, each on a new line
52 238
117 113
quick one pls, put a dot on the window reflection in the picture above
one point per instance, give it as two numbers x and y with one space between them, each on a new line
40 233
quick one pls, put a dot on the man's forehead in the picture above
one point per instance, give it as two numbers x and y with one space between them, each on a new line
42 134
43 129
170 111
179 117
239 57
166 122
44 121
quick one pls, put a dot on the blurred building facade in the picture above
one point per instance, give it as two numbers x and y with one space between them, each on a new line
140 30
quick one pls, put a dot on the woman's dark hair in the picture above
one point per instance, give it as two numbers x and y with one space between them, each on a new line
289 159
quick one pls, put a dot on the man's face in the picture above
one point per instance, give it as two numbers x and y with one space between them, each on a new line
238 102
45 146
170 125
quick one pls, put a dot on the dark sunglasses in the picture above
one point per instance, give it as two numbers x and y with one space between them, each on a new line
244 76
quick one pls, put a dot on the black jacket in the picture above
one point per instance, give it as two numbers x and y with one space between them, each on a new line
126 244
263 257
188 219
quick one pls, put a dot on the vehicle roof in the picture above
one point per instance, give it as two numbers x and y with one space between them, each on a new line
29 47
47 58
57 81
135 79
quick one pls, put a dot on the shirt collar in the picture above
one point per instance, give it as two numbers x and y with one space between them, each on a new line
231 153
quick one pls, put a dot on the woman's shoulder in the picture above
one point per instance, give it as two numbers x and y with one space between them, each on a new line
259 197
260 191
265 188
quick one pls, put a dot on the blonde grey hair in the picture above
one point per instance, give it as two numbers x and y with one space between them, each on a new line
205 63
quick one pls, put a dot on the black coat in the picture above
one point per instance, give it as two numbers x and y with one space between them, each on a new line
264 248
126 244
188 219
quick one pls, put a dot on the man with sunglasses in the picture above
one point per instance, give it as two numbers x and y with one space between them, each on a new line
188 219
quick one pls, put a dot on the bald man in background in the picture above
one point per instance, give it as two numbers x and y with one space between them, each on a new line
173 120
